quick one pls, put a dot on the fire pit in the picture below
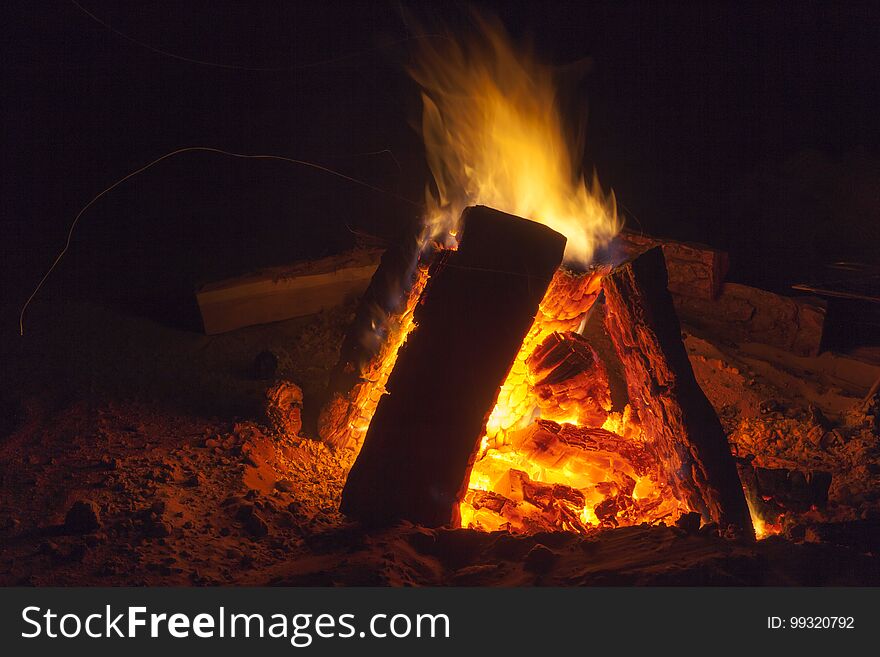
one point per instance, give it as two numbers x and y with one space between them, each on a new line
472 396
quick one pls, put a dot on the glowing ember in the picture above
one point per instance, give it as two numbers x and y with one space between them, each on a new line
541 475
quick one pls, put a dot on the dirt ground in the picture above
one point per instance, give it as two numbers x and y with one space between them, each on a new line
132 453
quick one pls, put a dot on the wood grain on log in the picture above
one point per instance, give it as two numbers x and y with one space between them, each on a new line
570 380
747 314
476 309
369 349
281 293
695 270
673 410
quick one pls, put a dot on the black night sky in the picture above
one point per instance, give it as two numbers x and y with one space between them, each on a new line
751 127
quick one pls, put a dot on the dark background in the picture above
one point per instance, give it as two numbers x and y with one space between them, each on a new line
753 128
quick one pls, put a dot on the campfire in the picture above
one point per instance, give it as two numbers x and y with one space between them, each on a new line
466 382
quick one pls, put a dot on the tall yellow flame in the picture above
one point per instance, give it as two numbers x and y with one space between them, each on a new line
494 135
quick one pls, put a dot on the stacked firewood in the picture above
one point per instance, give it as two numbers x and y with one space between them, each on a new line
563 310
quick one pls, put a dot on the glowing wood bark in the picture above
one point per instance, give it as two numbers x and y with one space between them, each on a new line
674 412
369 349
470 323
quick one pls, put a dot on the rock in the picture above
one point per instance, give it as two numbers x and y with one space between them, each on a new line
265 365
194 481
284 408
157 528
49 548
82 517
540 559
253 522
284 485
831 440
689 522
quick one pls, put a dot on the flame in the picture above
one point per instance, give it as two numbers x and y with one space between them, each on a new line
494 135
763 528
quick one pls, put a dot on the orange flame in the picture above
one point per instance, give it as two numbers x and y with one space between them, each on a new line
494 136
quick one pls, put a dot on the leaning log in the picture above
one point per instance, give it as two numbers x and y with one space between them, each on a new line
695 270
369 349
470 323
675 414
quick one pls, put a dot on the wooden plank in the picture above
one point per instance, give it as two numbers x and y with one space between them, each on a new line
677 418
479 304
282 293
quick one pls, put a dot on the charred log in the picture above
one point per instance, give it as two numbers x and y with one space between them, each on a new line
675 414
772 492
478 306
356 381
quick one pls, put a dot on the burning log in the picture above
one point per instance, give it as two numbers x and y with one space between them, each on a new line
570 381
369 349
476 309
564 308
675 414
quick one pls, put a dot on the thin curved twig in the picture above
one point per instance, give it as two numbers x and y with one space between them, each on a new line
189 149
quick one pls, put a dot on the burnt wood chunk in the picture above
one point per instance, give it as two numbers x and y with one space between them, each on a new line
675 414
747 314
570 380
774 491
694 270
475 311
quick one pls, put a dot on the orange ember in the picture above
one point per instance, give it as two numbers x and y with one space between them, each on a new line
345 420
581 466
